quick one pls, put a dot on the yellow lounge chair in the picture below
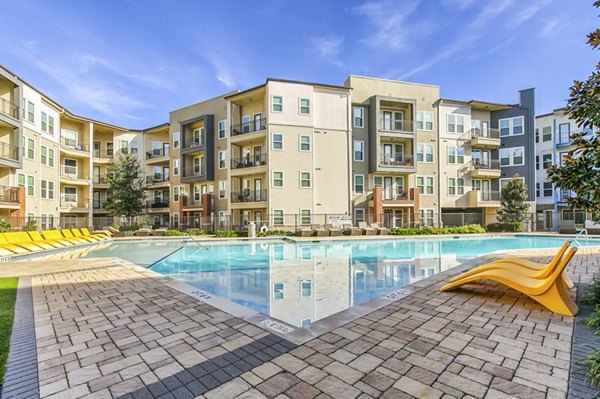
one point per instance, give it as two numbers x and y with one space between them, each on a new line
77 234
69 236
523 266
101 236
56 236
15 239
15 249
24 237
550 292
5 252
37 238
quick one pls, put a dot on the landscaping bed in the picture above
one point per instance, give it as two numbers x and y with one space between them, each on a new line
8 294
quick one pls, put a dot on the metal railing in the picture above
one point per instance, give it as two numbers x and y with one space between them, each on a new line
489 196
249 196
9 194
71 201
9 151
99 154
490 164
157 153
399 195
157 178
392 125
192 141
9 108
194 171
486 133
73 144
155 204
249 161
396 160
99 180
249 127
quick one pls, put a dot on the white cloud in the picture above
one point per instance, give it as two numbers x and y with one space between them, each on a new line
223 70
549 28
328 47
391 23
460 4
527 13
489 13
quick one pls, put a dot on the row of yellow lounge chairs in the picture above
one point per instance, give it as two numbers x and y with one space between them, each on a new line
547 284
24 242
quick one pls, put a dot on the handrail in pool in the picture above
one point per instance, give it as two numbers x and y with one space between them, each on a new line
186 235
587 236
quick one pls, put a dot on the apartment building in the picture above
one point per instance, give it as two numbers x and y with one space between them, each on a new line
394 153
482 145
552 142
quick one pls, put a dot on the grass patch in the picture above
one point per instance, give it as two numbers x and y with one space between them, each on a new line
8 294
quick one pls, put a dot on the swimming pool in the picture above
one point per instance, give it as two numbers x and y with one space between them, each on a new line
300 283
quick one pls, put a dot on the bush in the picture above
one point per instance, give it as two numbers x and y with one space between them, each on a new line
468 229
270 233
31 225
195 232
225 234
174 233
505 226
591 294
5 227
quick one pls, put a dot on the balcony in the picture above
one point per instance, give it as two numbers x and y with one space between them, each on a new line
400 197
193 142
489 169
249 196
9 198
396 160
72 174
159 204
157 154
157 178
487 138
191 204
484 199
100 180
194 174
250 161
396 126
74 147
103 157
9 109
249 127
70 204
8 151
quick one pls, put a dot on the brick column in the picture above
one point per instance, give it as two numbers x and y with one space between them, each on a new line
377 204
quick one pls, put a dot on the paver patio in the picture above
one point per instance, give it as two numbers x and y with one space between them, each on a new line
105 329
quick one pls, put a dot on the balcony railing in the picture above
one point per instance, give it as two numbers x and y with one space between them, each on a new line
71 201
490 164
194 141
489 196
396 160
249 161
249 127
396 125
157 178
485 133
159 203
99 204
194 172
9 194
99 180
73 144
70 172
100 154
8 108
9 151
249 196
157 153
400 195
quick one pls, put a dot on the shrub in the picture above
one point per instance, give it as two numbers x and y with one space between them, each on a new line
116 226
591 294
5 226
195 232
468 229
505 226
31 225
225 234
270 233
174 233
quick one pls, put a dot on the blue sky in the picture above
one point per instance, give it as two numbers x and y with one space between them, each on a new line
131 62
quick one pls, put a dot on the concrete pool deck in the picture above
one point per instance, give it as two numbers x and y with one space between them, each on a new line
108 329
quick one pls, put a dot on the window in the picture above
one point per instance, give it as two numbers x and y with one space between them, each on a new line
456 123
425 185
306 289
547 189
278 216
305 106
456 186
305 216
426 217
277 179
564 133
222 129
504 181
70 195
511 156
359 116
134 147
546 161
304 143
124 146
30 151
51 131
511 126
30 112
424 120
377 181
277 141
176 167
304 180
44 155
537 136
537 162
196 193
278 289
277 103
47 221
198 164
176 193
176 140
547 133
359 184
359 215
21 180
47 188
460 155
222 189
44 122
30 186
537 189
425 153
451 154
222 160
109 149
359 150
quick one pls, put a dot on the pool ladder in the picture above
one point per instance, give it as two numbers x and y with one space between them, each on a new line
582 232
186 235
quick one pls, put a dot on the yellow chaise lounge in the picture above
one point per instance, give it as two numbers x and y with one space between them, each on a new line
16 238
36 238
87 233
551 291
77 234
69 236
56 236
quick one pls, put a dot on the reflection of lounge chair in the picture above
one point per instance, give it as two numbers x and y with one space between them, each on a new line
567 227
523 266
304 232
319 231
550 292
380 230
366 230
333 232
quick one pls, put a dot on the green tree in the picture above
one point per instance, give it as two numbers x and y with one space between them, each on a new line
513 201
580 171
127 187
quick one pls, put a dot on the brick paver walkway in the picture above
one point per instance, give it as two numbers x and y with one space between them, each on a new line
117 330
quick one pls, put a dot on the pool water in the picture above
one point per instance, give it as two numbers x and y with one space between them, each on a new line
300 283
